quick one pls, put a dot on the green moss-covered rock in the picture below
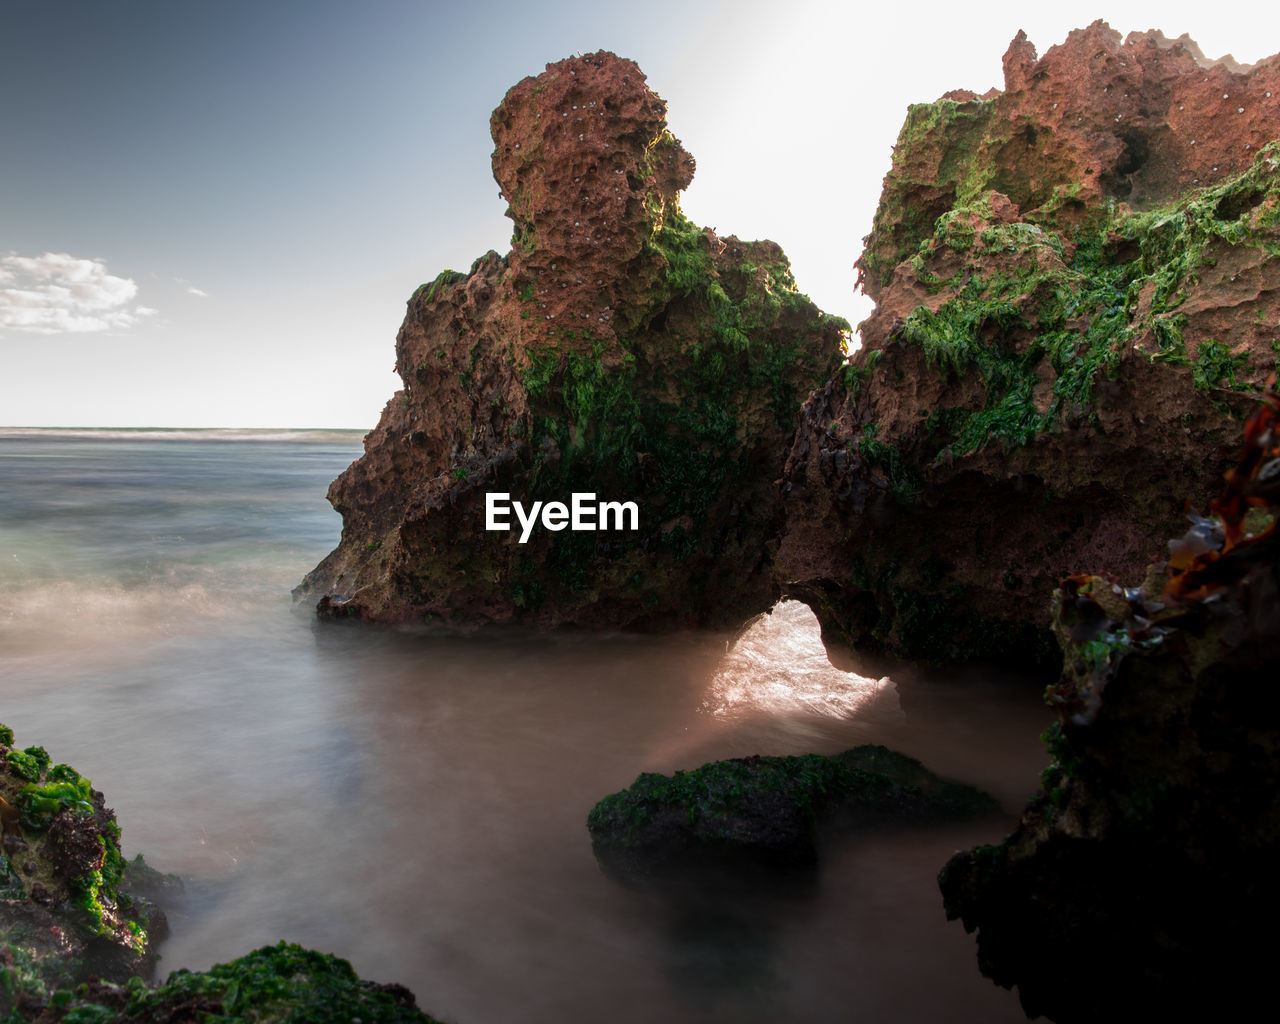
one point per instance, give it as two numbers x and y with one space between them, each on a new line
618 351
1074 313
766 811
281 984
65 910
78 927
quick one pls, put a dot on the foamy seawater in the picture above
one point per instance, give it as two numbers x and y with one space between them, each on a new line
111 537
416 803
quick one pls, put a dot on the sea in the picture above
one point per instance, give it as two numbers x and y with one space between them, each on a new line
415 802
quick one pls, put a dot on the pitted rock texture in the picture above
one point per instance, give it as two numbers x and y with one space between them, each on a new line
1142 120
617 350
585 163
69 908
1075 306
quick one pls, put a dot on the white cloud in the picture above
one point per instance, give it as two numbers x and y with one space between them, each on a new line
56 293
190 288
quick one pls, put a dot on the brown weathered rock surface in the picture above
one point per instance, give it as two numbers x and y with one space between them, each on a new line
1142 120
1077 290
617 350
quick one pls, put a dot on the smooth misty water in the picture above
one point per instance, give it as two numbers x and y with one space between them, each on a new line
416 803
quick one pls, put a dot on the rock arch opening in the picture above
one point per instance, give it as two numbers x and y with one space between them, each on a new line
779 664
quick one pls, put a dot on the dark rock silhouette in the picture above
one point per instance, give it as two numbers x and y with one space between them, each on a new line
766 813
1149 854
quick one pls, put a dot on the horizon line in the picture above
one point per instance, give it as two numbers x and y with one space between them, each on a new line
23 426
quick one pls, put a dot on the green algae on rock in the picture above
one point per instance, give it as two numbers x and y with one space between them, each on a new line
766 811
618 350
77 933
281 984
1149 854
1074 309
64 912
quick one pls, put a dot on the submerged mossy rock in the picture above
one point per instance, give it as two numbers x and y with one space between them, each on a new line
1141 882
618 351
65 912
765 812
1078 295
281 984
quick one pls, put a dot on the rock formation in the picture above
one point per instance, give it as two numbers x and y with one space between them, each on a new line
766 812
1076 291
78 937
283 984
64 914
618 350
1141 882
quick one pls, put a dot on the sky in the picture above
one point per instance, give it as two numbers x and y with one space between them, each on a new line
212 214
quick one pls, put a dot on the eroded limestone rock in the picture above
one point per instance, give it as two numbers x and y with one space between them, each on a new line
618 350
1077 297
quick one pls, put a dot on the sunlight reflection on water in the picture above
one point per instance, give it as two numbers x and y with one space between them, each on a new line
779 665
